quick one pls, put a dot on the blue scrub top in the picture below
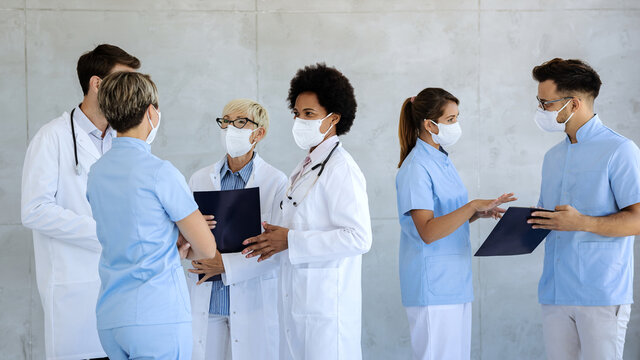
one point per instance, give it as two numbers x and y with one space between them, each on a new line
599 175
438 273
136 198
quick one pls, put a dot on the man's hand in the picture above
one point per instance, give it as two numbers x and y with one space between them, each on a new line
208 267
565 218
272 241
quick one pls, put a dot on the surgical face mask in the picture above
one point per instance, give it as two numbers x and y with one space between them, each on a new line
307 133
236 141
448 134
154 130
548 120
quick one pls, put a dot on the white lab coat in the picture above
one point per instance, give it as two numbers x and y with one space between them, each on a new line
67 251
321 293
253 293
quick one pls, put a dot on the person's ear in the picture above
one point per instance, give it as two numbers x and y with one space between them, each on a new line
94 84
575 104
152 113
429 126
259 135
335 118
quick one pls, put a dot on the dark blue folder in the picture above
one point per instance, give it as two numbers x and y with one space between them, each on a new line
237 213
513 235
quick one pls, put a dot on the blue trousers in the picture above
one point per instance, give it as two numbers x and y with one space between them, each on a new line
147 342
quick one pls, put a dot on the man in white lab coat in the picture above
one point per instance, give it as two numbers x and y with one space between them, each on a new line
236 317
55 207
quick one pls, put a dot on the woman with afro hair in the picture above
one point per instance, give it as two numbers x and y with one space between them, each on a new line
325 225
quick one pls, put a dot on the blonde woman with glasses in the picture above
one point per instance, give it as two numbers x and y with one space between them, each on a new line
236 317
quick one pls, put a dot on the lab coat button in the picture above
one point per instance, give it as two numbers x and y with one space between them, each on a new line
236 340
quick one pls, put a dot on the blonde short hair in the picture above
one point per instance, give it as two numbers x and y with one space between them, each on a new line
254 111
124 97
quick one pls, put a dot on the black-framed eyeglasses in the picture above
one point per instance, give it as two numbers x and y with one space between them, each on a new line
544 103
238 123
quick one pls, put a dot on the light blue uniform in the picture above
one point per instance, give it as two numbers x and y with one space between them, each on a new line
599 175
136 198
438 273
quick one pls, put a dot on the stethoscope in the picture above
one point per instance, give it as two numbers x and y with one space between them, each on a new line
75 146
298 181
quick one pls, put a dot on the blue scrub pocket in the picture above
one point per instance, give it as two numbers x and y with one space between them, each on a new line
601 263
448 275
180 282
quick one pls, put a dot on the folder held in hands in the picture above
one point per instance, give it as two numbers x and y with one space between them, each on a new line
513 235
237 213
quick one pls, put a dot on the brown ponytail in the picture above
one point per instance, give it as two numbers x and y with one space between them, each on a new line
428 104
407 132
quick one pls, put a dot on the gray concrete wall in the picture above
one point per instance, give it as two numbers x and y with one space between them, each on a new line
204 53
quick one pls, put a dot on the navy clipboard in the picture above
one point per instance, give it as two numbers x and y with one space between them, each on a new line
237 213
513 235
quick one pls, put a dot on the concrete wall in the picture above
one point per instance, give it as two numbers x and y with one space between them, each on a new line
204 53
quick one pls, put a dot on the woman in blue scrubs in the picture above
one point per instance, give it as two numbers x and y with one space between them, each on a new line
141 203
434 212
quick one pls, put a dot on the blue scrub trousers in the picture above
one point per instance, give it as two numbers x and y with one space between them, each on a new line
142 342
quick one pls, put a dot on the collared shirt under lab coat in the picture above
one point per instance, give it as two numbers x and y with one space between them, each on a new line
253 316
103 144
599 175
320 280
65 244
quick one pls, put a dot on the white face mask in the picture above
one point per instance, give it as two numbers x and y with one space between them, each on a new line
154 130
448 134
548 120
236 141
307 133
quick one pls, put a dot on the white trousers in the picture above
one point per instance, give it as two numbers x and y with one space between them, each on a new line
218 339
440 332
585 332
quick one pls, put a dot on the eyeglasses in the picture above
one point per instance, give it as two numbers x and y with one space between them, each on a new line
238 123
544 103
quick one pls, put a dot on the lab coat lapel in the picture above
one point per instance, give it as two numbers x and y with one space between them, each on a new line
215 174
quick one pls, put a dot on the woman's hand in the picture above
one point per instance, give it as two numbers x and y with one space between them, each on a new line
488 205
209 219
183 247
491 208
272 241
208 267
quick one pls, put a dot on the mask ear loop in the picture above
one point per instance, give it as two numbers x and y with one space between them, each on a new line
329 129
255 142
570 116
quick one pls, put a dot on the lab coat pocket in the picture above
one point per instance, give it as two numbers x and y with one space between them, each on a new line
73 314
315 291
180 282
601 263
448 274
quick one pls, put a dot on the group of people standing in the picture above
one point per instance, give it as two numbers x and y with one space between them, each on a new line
112 222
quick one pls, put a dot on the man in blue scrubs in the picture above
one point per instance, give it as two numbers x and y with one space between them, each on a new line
592 181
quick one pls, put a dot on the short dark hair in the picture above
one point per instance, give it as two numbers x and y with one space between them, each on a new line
100 61
570 75
333 89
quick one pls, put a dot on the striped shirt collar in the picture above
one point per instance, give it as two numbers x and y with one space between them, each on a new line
244 173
